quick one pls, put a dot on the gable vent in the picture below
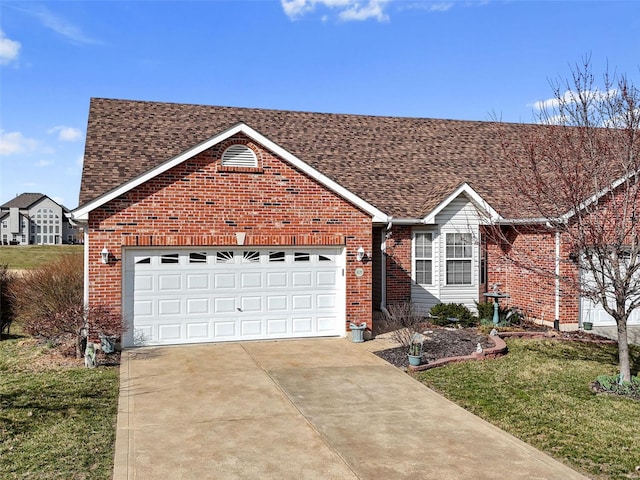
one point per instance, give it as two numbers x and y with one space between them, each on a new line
239 156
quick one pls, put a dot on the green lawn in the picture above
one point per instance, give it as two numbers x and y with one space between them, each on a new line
56 422
31 256
540 393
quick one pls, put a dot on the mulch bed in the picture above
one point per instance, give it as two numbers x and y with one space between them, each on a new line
440 343
443 342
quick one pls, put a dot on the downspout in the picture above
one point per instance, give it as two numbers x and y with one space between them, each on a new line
557 292
383 273
390 223
85 232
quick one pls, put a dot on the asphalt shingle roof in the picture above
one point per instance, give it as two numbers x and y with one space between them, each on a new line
403 166
24 200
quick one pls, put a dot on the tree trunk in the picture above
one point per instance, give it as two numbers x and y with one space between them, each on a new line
623 351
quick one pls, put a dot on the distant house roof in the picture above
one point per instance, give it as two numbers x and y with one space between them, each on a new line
26 200
404 167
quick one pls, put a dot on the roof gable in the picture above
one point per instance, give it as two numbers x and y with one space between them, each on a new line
404 167
82 212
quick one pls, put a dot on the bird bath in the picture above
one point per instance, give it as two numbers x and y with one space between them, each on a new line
496 295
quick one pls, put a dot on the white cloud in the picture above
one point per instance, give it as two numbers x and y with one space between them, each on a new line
59 25
58 200
15 142
66 134
347 10
44 163
9 49
570 97
374 9
440 6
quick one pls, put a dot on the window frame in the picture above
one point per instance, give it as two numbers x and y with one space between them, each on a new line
456 259
423 258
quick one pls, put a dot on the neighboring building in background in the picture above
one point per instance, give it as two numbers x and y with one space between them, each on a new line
35 219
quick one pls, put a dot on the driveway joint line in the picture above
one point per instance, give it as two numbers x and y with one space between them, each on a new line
307 419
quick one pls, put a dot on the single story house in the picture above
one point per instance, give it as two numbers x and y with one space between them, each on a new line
207 223
34 218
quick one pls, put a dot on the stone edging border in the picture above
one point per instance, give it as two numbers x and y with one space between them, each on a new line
500 348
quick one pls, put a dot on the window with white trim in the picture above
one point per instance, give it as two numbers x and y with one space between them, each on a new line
423 253
239 156
459 252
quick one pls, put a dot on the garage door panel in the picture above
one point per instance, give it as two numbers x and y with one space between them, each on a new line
228 294
197 281
302 302
301 279
251 280
143 308
277 326
326 301
327 279
169 307
197 306
276 303
197 331
224 305
251 304
169 283
169 332
225 280
251 328
224 328
276 279
143 283
326 324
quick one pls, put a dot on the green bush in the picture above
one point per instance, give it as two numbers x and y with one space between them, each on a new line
611 383
442 312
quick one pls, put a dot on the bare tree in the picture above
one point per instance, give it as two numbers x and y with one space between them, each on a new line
577 173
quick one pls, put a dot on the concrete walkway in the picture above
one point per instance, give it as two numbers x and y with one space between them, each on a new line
301 409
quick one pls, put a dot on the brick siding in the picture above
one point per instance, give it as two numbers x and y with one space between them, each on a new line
200 203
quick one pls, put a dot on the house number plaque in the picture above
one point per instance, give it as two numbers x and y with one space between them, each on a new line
359 272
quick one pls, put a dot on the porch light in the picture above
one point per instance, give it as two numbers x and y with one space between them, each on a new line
360 254
104 255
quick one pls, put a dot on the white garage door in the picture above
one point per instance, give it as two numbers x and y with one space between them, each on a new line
596 314
225 294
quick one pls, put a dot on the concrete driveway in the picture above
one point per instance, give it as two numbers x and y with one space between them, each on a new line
301 409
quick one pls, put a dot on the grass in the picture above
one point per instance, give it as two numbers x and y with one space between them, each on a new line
56 421
32 256
540 393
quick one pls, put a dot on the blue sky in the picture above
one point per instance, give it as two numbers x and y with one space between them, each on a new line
440 59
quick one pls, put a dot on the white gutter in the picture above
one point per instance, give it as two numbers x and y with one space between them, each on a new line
404 221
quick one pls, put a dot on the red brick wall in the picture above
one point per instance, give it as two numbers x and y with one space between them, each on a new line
533 292
201 203
398 257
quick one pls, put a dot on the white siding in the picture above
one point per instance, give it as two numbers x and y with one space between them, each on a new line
460 216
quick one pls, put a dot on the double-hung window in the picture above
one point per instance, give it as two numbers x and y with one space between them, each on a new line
423 253
459 252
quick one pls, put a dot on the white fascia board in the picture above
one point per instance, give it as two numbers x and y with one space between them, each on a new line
475 198
82 213
597 196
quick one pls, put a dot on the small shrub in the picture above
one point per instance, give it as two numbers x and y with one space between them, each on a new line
403 321
442 312
612 384
7 310
50 302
